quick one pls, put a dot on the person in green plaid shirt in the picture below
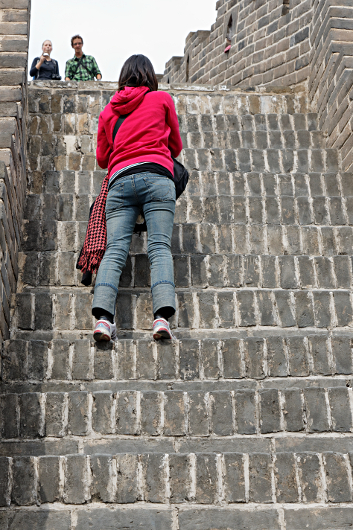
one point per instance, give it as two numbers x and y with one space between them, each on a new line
82 67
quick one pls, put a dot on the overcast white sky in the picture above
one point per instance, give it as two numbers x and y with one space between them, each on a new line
113 30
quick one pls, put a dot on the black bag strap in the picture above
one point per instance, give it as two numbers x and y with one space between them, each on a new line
119 123
83 65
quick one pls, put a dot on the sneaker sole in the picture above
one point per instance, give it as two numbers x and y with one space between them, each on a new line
162 334
101 337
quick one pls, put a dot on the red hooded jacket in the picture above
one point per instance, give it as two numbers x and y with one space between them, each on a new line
150 134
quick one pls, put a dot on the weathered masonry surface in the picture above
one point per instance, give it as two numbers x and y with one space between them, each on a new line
246 420
282 43
14 29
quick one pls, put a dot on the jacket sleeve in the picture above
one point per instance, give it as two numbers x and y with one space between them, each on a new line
103 147
33 71
175 143
57 68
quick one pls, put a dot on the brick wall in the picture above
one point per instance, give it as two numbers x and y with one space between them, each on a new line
269 45
331 74
14 33
280 43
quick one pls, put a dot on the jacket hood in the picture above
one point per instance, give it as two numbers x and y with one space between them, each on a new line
128 99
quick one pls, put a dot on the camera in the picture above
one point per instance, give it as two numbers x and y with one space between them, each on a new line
56 77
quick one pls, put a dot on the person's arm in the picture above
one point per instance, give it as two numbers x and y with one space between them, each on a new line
95 70
34 71
104 149
175 143
57 68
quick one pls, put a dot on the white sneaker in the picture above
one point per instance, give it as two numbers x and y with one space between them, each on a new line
161 329
104 331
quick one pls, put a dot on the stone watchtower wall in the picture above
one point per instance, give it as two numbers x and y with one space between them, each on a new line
14 33
281 43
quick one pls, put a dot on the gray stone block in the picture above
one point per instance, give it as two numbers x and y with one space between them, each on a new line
316 409
75 478
102 412
54 414
78 413
174 414
337 480
340 409
234 479
154 471
286 483
310 476
222 413
218 518
127 489
151 412
125 519
180 478
260 485
270 417
206 479
5 470
24 482
325 518
245 410
101 471
48 479
126 413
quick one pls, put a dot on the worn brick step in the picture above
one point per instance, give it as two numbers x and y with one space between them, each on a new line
272 123
196 309
161 517
261 160
206 238
77 185
291 442
176 413
205 159
227 358
224 209
258 137
210 270
201 478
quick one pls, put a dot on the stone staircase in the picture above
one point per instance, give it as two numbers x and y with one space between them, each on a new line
244 422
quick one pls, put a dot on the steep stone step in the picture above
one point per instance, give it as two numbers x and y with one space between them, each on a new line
201 478
232 135
160 517
221 208
175 413
76 185
300 124
261 160
206 238
209 309
287 355
210 270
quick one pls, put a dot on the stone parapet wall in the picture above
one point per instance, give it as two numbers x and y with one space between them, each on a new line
14 33
331 73
267 46
283 43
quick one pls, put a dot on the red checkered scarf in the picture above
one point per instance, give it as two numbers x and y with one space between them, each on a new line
96 236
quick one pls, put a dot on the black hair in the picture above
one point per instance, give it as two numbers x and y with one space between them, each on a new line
138 71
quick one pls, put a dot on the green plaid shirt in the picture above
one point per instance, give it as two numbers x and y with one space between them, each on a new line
87 70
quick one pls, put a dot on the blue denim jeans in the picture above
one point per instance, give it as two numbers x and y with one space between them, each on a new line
155 195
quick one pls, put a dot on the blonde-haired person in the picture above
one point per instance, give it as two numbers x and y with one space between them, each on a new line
44 67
